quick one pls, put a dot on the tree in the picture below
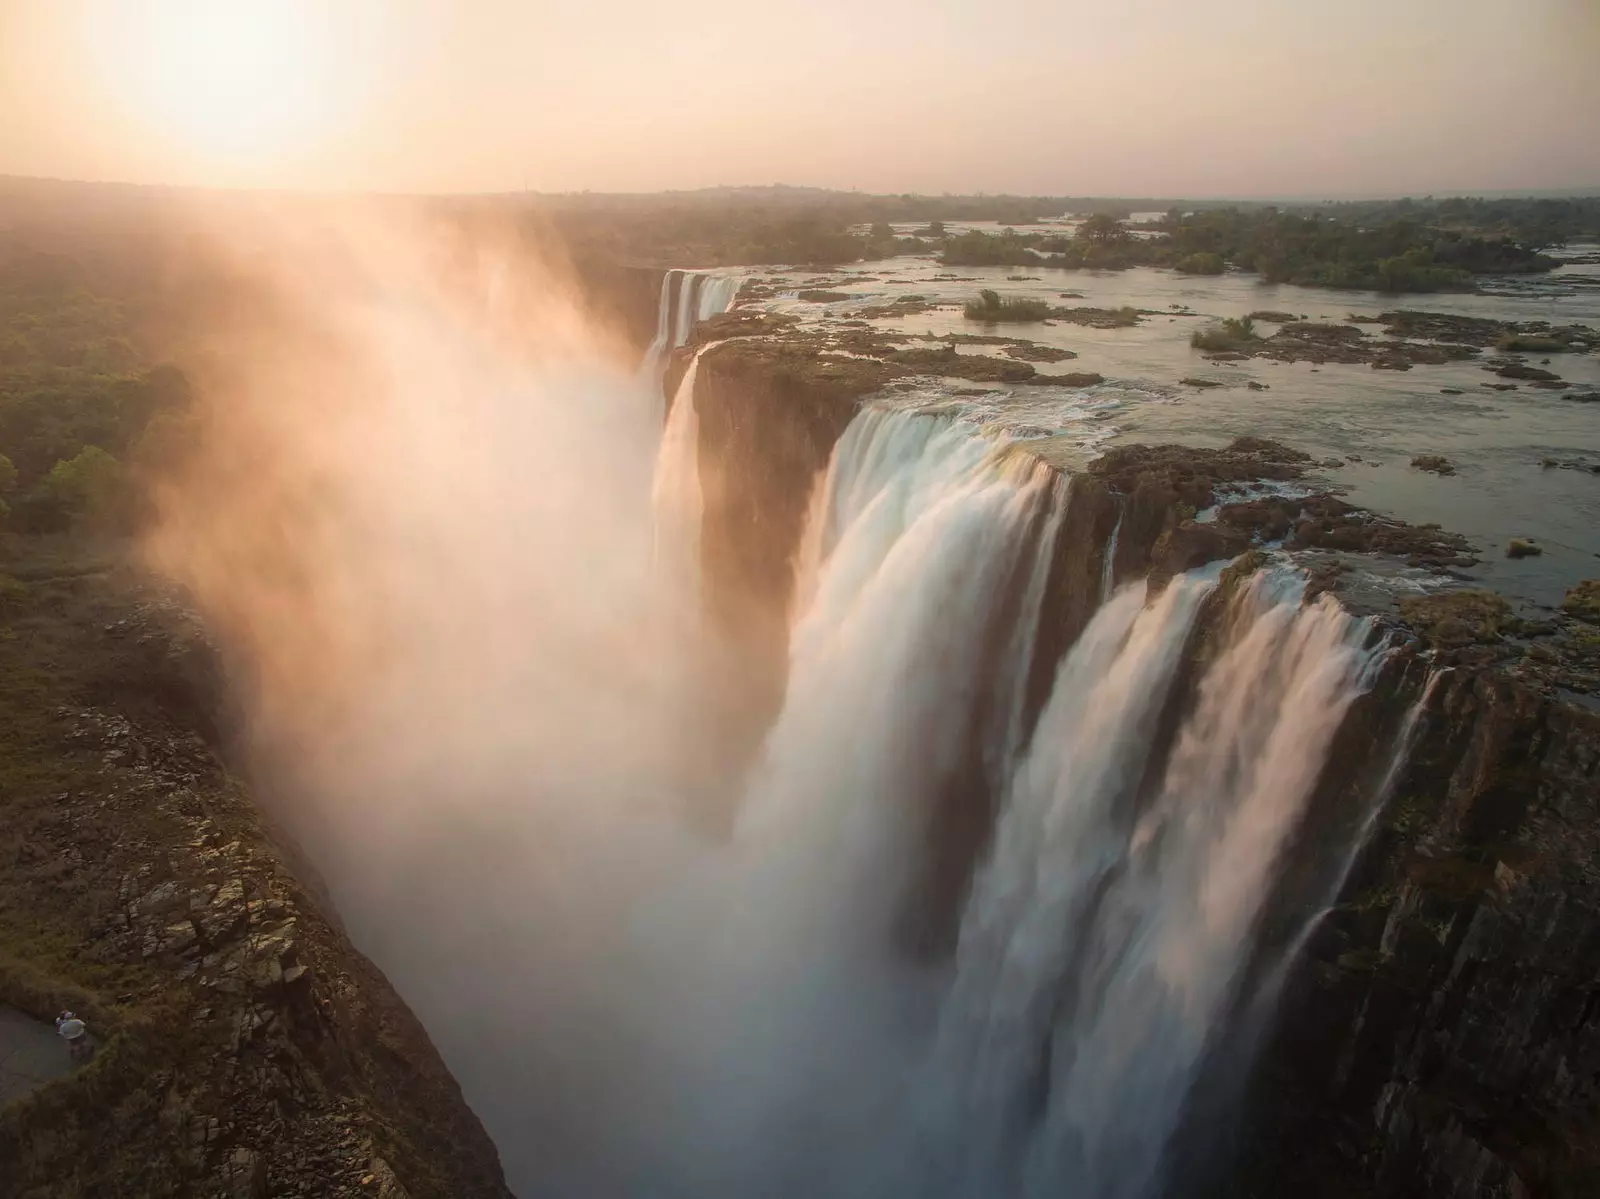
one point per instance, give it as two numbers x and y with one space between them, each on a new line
88 485
1102 229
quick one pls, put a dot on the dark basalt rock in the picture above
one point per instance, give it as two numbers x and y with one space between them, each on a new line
1518 370
1308 341
1483 332
949 363
1443 1037
1071 379
1030 352
1435 463
903 306
1325 522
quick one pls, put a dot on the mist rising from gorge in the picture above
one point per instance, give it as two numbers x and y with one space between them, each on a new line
431 511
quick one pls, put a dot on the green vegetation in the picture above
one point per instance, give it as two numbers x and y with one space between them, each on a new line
1233 334
1339 245
976 248
990 308
1311 249
1435 463
1583 601
1453 619
76 390
1201 263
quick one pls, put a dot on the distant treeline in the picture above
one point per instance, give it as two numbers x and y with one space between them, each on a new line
1391 245
80 396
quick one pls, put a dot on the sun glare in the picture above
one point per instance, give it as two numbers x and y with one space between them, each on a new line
236 80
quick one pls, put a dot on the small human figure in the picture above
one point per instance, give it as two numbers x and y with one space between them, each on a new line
76 1033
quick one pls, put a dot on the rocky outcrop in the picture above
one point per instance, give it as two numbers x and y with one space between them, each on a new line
1442 1038
246 1047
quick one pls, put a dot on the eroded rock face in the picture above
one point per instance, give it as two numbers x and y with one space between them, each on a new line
1443 1037
255 1052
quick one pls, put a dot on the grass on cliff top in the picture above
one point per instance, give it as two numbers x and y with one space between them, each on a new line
69 829
52 657
1452 619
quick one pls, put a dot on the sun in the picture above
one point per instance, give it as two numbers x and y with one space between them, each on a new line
233 80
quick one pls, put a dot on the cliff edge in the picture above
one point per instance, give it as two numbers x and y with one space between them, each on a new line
245 1047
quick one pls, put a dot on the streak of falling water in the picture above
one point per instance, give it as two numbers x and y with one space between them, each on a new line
1108 934
678 506
1108 564
687 297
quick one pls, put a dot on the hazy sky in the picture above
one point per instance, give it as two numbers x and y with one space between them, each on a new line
1157 97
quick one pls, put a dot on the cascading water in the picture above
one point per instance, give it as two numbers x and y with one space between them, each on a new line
676 500
948 946
1108 563
686 298
1110 927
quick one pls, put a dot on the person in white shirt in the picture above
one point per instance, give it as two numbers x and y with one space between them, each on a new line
76 1034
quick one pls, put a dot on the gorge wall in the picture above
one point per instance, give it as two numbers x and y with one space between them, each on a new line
246 1047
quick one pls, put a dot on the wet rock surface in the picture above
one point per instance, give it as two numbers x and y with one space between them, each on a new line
1442 1037
1481 332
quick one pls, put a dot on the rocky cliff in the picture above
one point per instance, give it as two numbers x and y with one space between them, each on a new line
246 1048
1442 1036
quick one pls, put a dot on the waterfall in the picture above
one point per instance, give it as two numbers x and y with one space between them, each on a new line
1108 562
931 942
676 500
1109 929
1108 933
686 298
924 527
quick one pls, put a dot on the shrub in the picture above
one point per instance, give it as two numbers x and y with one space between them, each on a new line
1583 601
1231 334
88 485
1199 264
1436 463
991 308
